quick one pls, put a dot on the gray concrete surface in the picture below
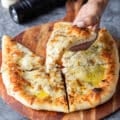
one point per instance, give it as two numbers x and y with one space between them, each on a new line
110 20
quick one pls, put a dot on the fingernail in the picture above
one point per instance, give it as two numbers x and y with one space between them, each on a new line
90 27
74 23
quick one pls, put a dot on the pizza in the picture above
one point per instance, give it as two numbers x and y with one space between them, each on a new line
68 79
25 78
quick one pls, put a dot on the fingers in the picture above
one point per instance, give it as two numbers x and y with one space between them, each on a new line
89 21
89 15
80 24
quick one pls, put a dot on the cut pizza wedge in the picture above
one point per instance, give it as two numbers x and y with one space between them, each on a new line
91 76
25 79
65 36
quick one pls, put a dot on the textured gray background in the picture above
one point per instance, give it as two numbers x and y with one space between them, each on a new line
110 20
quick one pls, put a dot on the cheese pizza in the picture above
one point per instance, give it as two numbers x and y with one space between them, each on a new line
70 79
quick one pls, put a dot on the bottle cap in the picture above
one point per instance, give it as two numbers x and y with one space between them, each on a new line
25 10
20 12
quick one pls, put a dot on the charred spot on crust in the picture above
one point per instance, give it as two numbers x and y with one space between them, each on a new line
79 83
51 27
104 80
97 90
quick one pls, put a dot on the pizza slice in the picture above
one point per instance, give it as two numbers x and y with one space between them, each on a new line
26 80
91 76
63 37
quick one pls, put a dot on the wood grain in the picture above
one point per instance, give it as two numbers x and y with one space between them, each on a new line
36 38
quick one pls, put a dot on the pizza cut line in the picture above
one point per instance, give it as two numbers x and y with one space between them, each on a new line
68 80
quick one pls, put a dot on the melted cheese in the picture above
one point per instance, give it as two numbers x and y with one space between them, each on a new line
95 75
41 94
88 67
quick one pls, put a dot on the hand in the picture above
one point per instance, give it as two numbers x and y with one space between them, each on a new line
89 15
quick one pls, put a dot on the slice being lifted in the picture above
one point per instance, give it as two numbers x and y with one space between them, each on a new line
63 37
25 79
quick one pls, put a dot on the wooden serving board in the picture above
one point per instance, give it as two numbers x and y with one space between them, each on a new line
92 114
36 38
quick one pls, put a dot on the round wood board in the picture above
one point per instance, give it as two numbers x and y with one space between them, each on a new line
36 38
92 114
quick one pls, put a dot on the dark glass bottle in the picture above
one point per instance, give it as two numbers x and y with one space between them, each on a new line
25 10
